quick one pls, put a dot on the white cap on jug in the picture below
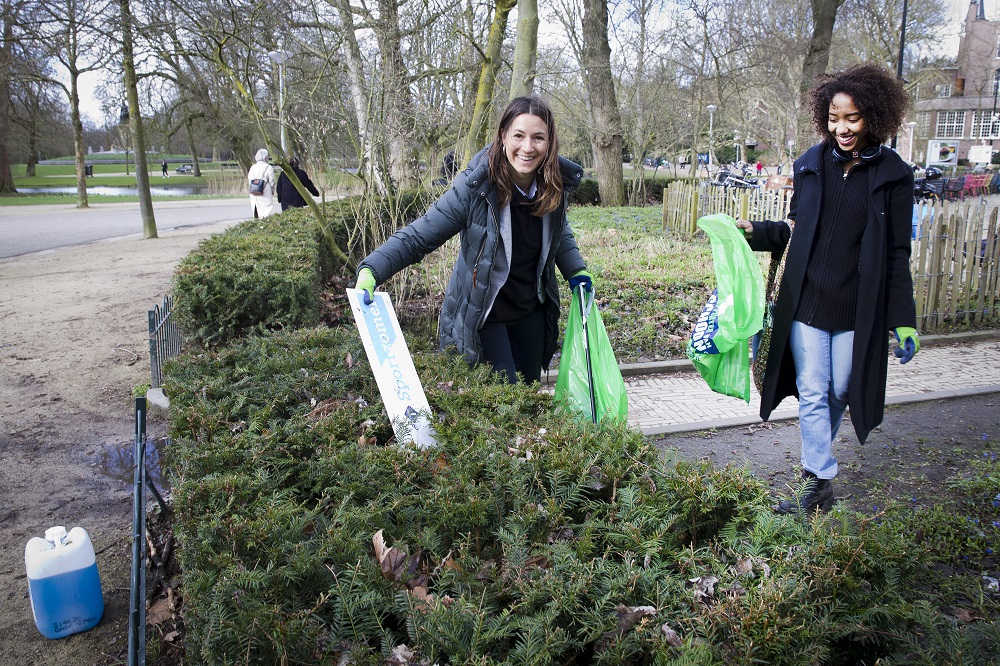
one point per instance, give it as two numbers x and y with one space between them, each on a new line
56 535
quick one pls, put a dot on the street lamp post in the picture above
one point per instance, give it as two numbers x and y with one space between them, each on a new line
912 125
280 57
711 117
993 118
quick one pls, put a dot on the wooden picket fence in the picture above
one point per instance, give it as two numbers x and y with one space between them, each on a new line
956 265
955 258
685 201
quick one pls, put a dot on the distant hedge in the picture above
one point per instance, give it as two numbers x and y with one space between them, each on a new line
588 194
267 274
263 274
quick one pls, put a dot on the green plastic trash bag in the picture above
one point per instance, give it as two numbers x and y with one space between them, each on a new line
589 380
719 346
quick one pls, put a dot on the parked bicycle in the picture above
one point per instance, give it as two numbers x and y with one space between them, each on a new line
736 174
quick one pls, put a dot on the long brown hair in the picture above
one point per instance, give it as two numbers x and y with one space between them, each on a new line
549 175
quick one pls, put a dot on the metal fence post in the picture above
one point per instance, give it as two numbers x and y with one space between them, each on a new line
137 595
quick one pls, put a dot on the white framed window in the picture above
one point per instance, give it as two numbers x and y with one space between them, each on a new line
924 123
943 90
950 124
985 124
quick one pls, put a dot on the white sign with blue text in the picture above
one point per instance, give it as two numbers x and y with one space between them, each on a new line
397 380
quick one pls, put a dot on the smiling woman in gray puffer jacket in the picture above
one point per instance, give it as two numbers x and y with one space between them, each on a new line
509 207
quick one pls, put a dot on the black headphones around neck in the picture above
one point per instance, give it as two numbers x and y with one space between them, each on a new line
868 154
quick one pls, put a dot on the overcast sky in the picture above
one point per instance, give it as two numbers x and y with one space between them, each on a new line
90 106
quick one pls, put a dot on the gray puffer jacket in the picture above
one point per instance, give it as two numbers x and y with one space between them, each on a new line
470 208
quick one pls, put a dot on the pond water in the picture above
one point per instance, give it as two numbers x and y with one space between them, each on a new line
159 190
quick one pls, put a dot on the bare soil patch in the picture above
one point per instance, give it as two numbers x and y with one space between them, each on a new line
73 344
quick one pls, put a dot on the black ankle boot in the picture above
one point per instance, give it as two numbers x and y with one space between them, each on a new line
817 494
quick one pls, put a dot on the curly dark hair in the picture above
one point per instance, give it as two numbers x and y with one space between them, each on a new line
879 96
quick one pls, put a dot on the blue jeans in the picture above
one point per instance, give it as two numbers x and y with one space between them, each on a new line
823 362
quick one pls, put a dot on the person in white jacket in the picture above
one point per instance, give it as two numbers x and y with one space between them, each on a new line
262 205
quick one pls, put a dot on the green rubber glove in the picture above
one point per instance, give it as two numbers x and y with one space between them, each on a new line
366 282
909 343
584 278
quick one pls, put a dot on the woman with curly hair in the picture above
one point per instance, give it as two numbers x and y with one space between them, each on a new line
846 282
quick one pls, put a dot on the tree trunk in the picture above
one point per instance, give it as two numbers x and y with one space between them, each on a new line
817 55
6 177
372 166
79 152
29 167
397 111
479 130
606 125
192 147
135 121
522 80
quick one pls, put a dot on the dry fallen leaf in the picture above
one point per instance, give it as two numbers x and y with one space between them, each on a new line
628 617
159 612
743 566
704 587
401 656
391 560
397 566
966 615
671 636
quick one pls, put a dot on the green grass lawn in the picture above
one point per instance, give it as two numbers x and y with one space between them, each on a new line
112 175
70 199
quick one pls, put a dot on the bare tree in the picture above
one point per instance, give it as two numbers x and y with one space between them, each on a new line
606 127
76 28
34 111
479 127
22 61
824 14
522 79
135 123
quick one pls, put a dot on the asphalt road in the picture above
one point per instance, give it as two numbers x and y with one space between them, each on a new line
27 229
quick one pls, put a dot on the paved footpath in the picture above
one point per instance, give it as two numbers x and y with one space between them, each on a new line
672 397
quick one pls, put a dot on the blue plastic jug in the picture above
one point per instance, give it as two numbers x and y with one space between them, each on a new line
63 582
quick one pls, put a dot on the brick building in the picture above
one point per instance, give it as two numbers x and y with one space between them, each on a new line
956 108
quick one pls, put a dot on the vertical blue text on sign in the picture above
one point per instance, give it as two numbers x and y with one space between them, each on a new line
384 337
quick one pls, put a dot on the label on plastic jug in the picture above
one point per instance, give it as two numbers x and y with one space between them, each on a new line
68 603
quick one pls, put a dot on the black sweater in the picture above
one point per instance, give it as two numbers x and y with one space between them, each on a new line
830 291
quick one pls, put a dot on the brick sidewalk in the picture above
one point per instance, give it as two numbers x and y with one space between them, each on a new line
682 401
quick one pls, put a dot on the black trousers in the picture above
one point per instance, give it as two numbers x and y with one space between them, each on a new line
516 347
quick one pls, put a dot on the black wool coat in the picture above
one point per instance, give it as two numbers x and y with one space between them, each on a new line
288 196
885 298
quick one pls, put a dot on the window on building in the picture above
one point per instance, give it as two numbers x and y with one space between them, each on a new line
924 123
985 125
950 124
943 90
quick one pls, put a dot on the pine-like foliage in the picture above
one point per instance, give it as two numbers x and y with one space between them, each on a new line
524 537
